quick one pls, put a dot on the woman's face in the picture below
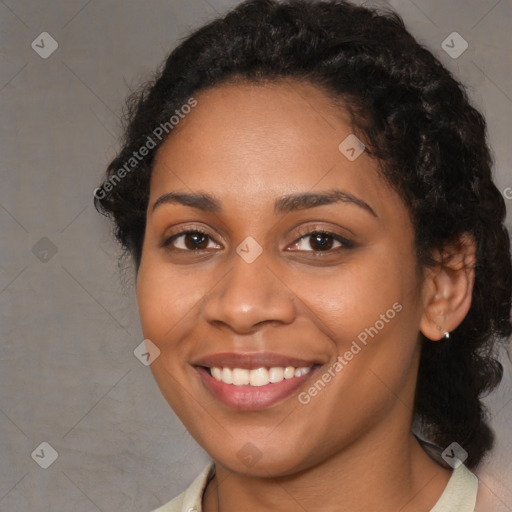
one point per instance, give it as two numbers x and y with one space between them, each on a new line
298 256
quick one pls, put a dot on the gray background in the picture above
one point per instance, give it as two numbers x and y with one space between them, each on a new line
69 321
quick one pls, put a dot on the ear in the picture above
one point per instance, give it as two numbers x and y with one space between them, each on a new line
448 288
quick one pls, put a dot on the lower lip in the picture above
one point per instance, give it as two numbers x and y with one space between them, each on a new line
252 397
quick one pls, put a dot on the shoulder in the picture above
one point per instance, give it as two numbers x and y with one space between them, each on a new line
191 498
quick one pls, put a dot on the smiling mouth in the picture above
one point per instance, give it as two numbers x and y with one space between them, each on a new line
257 377
256 388
253 380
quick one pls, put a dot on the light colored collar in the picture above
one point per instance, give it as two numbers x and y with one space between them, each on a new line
459 494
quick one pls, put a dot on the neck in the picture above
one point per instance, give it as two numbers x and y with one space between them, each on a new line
396 474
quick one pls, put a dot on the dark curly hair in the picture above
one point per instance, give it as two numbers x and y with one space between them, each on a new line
413 116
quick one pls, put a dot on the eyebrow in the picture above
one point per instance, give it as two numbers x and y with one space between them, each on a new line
285 204
311 200
204 202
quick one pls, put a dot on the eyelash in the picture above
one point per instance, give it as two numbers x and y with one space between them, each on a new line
168 242
345 243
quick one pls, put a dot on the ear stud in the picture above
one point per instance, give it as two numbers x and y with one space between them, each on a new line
446 334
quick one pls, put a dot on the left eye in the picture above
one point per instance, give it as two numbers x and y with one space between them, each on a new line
192 241
320 242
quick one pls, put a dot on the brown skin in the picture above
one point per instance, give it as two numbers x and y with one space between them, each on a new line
350 448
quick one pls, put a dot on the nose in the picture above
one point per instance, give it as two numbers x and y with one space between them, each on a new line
249 296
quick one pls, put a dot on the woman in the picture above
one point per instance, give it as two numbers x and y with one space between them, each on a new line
321 260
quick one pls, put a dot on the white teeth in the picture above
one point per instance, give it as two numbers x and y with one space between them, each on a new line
301 371
275 374
289 372
227 376
257 376
240 376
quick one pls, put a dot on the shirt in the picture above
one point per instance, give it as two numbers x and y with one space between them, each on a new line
459 494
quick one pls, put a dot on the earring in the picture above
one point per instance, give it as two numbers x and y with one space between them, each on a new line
446 334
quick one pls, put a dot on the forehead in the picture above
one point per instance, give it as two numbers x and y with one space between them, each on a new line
260 141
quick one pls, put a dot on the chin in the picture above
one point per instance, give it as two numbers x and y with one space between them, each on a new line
247 458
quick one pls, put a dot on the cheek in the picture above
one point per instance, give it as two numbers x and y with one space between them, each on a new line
163 299
353 297
369 311
166 307
371 315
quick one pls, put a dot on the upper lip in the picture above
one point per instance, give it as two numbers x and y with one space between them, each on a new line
250 361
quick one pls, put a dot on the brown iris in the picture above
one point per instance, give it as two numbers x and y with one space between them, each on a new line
321 241
196 241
